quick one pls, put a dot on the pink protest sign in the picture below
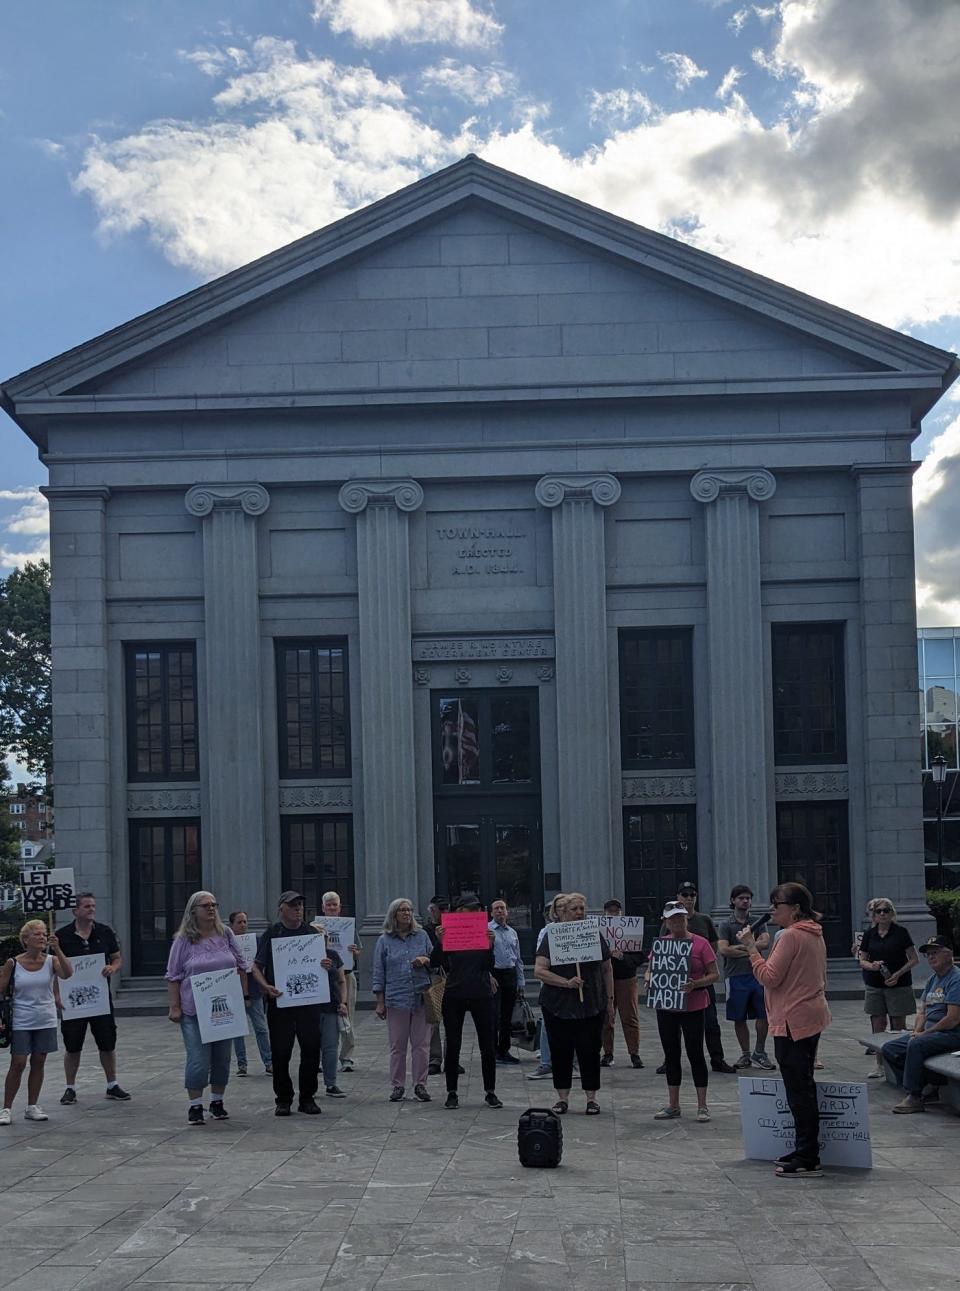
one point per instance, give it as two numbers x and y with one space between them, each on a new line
465 931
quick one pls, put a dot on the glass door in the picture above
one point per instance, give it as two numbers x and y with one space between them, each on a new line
164 871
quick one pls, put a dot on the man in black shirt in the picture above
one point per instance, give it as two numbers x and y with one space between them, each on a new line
85 937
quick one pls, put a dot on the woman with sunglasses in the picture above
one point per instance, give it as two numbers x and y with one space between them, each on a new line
794 981
887 954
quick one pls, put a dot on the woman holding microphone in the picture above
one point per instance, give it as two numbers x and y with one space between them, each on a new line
794 981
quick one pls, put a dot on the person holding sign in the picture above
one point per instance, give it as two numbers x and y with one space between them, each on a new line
258 1018
86 937
202 945
470 988
332 909
794 981
625 993
401 964
677 979
34 1030
575 998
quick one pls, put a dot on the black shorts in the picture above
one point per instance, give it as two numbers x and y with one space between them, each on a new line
103 1029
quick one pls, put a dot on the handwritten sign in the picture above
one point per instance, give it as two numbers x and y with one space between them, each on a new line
623 932
669 969
858 935
219 1000
45 890
298 973
466 931
247 945
341 933
576 942
768 1129
85 994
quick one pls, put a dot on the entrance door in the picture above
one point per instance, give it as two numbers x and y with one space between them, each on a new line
487 801
164 871
659 853
813 849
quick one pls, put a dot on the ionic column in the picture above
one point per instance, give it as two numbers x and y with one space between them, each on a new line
583 723
231 751
382 508
738 738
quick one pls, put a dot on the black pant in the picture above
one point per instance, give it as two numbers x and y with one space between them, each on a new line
285 1026
503 1002
795 1058
580 1036
481 1010
711 1029
690 1025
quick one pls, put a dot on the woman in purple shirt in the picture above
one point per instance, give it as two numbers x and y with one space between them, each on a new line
202 945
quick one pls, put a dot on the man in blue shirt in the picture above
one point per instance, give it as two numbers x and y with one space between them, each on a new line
508 971
936 1028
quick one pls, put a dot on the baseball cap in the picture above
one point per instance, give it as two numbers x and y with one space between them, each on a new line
687 886
289 897
936 943
673 907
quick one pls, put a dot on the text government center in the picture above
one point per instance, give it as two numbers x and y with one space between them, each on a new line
484 541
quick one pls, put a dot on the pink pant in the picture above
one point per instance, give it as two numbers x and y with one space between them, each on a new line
403 1028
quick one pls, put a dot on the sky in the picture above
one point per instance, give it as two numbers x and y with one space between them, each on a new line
147 147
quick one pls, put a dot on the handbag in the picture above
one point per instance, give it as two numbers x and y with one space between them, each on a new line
6 1011
523 1025
433 999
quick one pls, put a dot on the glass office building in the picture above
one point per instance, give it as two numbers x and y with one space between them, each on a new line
938 664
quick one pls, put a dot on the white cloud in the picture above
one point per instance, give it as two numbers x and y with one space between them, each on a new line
214 62
936 503
685 71
450 22
29 521
476 85
618 107
729 83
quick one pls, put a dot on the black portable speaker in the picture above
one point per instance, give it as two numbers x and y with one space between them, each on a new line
540 1138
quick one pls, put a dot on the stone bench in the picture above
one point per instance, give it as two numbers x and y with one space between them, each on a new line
944 1066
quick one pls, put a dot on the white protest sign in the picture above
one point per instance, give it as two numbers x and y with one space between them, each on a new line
85 994
45 890
623 932
297 971
341 933
219 1000
576 942
768 1129
858 936
247 945
669 969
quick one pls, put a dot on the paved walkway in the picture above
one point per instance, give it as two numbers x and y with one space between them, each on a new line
413 1197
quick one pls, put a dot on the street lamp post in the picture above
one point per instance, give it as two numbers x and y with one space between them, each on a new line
938 766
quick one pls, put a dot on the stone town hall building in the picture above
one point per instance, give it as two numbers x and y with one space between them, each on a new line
483 540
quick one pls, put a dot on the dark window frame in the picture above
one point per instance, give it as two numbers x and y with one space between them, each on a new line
485 697
348 898
131 649
314 645
838 757
686 761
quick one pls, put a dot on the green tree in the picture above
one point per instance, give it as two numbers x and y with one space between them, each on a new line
9 836
25 709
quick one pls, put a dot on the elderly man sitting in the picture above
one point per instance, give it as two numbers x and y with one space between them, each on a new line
937 1025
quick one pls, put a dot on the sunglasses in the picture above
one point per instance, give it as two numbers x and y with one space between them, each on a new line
883 909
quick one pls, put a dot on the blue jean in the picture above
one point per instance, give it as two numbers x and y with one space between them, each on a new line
907 1054
545 1058
258 1021
329 1047
207 1064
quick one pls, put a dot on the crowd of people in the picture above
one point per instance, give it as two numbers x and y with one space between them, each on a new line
776 982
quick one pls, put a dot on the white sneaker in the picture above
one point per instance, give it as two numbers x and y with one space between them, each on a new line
5 1116
35 1113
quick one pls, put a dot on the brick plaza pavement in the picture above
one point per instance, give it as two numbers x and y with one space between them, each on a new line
410 1196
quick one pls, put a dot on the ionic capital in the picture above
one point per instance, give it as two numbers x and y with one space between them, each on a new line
202 499
357 495
760 485
551 490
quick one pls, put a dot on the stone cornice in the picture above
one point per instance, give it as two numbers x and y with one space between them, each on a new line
758 484
551 490
71 492
882 470
357 495
202 499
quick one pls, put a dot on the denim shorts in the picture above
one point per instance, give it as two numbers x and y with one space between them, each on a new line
744 998
41 1040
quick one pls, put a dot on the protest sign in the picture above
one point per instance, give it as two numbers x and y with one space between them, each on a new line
297 971
669 969
219 1000
768 1129
623 932
858 936
576 942
45 890
341 933
466 931
85 994
247 945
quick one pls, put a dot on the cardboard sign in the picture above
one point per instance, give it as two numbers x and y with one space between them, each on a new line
45 890
341 933
247 944
576 942
768 1129
219 1000
86 994
669 969
466 931
623 932
297 971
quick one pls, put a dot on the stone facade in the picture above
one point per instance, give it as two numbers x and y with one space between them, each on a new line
475 433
